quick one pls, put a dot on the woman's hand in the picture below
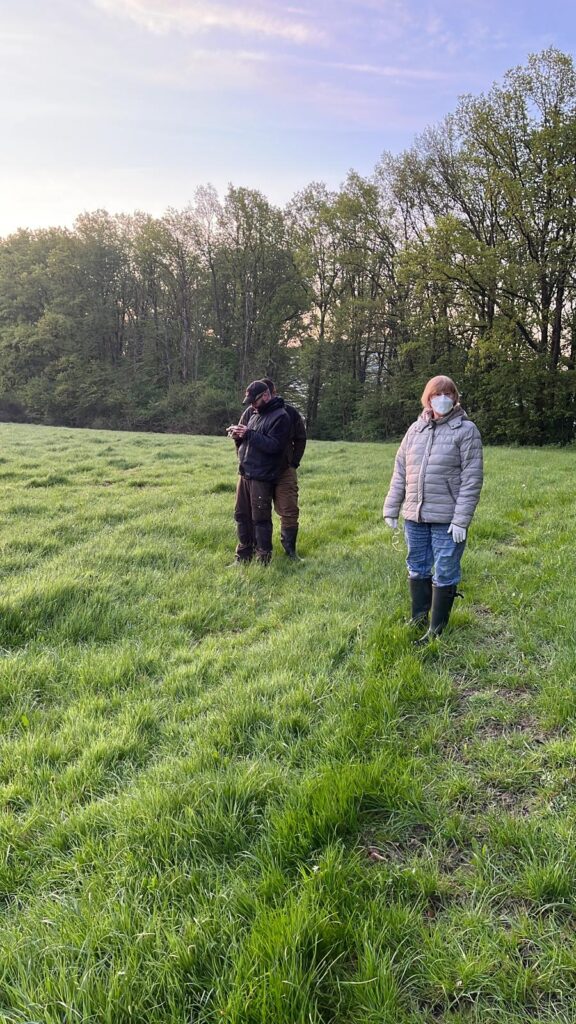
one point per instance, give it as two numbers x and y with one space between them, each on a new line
458 533
391 522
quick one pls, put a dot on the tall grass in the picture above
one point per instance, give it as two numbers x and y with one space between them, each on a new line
241 795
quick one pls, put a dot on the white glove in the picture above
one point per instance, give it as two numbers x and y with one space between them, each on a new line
391 522
458 533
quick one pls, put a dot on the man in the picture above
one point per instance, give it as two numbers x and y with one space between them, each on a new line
262 441
286 489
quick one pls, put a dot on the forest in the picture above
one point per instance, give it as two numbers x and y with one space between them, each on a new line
457 256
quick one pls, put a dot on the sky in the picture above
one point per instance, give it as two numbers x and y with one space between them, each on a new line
131 105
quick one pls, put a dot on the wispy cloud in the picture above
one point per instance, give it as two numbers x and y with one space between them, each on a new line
391 71
214 70
117 103
350 92
194 16
235 58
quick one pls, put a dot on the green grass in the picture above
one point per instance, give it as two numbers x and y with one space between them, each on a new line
241 795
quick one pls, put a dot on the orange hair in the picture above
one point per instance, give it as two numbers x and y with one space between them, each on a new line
439 384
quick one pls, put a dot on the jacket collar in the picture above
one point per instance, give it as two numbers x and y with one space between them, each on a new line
453 419
274 403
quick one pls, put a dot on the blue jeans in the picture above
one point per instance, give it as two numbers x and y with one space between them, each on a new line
430 547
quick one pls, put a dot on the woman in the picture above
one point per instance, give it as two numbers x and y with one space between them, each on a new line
436 481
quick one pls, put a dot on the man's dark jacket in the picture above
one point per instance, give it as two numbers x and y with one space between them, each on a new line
261 452
296 439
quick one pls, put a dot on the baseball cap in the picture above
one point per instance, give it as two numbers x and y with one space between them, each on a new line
254 390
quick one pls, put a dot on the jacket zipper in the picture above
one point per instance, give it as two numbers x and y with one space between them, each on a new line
423 468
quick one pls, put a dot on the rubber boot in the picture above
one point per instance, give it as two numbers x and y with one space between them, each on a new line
288 539
442 601
243 556
421 595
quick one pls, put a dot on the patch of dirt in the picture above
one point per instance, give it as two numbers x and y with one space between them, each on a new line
488 798
527 726
517 695
379 851
482 611
492 798
454 859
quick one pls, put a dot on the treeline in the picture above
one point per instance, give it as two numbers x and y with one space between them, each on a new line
458 256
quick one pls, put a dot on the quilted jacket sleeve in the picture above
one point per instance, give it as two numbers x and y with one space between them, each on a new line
472 476
397 490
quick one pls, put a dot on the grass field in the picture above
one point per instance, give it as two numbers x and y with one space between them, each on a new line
240 795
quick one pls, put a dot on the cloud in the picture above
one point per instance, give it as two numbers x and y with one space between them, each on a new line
194 16
292 81
212 71
229 59
395 72
356 110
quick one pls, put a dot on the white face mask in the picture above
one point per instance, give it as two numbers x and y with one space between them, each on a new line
441 404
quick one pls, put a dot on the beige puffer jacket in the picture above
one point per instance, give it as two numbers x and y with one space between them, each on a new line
438 471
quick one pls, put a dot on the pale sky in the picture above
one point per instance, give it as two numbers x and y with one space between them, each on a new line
132 104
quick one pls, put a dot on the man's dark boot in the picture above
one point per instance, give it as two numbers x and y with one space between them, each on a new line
288 539
421 595
442 601
243 555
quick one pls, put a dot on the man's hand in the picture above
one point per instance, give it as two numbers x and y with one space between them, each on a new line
237 431
391 521
458 533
